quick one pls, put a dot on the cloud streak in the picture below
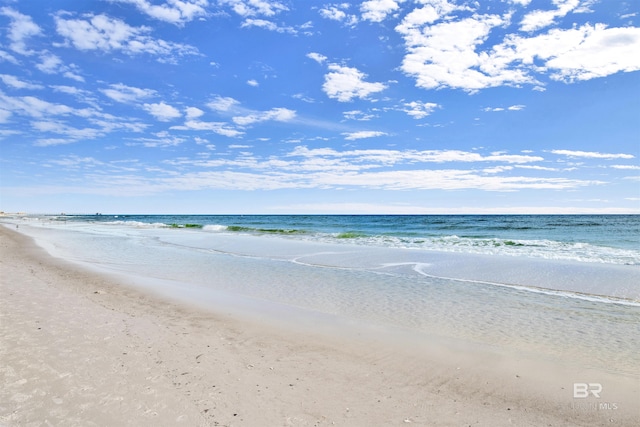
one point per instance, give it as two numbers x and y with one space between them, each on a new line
21 29
176 12
592 154
347 83
106 34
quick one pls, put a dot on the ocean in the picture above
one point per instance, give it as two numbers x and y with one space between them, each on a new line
554 286
590 238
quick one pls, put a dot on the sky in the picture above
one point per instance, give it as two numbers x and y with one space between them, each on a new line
282 106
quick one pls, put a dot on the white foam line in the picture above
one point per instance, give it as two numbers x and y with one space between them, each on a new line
297 261
417 269
565 294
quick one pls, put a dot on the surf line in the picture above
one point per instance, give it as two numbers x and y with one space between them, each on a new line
417 267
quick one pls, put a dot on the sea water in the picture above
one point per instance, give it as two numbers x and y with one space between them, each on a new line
554 286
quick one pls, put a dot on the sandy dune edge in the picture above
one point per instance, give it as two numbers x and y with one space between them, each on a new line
77 348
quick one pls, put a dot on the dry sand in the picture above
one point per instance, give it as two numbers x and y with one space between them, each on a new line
81 349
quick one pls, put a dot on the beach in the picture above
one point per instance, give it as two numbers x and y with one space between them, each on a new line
82 347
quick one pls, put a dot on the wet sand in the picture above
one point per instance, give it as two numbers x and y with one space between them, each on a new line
80 348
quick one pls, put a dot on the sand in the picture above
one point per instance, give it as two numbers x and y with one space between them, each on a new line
81 349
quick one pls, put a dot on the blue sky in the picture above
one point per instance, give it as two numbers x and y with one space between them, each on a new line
378 106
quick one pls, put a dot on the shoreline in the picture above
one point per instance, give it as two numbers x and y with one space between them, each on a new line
81 348
590 280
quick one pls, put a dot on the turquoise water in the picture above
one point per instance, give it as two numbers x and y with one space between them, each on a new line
589 238
563 287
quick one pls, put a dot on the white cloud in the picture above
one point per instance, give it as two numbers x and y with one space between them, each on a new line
333 12
100 32
53 117
444 55
173 11
52 64
60 128
510 108
60 119
253 83
4 56
345 83
276 114
336 12
72 75
352 136
163 139
304 98
538 168
216 127
330 161
588 52
430 13
220 103
377 10
626 167
162 111
111 124
75 162
497 169
413 156
32 106
357 115
4 117
538 19
255 7
50 142
592 154
49 64
317 57
127 94
442 179
327 168
205 142
267 25
103 33
446 51
16 83
261 23
420 110
193 112
21 29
